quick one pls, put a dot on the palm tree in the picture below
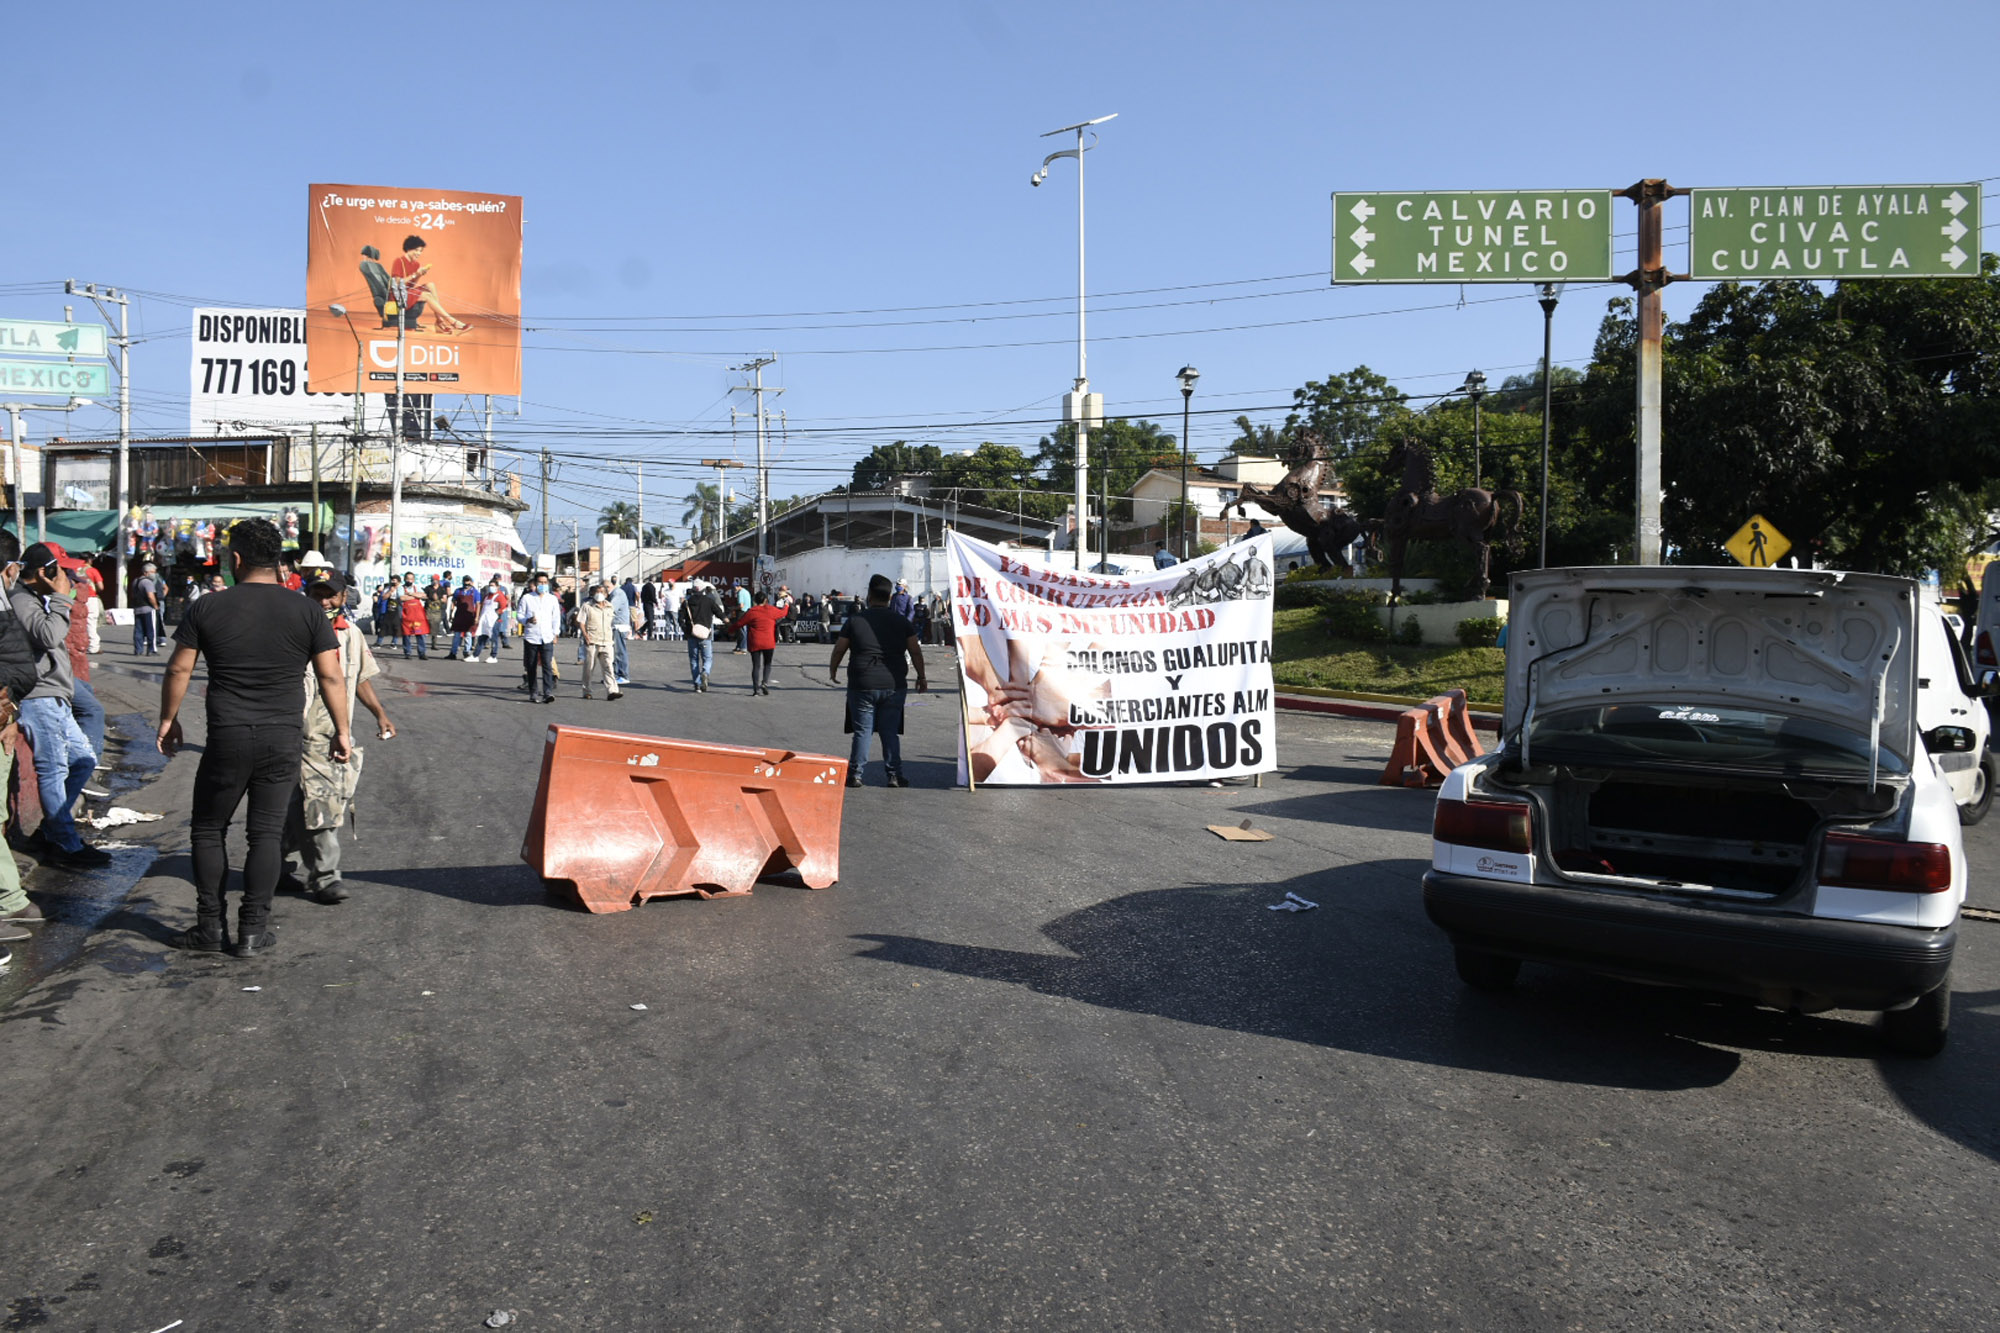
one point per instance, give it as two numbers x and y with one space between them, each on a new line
699 516
657 536
620 519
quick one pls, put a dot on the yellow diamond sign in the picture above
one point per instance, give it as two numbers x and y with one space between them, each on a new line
1758 544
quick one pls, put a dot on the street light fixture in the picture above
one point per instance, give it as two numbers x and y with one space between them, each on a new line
1187 376
1475 389
1551 293
1078 402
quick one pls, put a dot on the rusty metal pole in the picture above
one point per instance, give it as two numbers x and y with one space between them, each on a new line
1649 279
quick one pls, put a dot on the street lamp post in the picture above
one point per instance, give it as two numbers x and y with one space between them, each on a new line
14 411
354 440
1551 293
1188 375
396 437
1475 389
1079 400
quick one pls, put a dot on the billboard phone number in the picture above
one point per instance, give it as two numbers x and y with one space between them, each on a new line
273 377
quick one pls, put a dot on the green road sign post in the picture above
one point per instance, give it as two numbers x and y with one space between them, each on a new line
42 337
1472 236
1834 231
57 379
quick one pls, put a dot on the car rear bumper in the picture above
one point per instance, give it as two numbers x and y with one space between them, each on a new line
1788 961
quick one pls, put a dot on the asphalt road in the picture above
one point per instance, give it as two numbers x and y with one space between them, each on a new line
1041 1059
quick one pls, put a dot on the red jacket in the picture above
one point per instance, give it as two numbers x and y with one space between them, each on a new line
763 623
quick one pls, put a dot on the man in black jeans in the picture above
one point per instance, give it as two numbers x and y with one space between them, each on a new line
258 638
884 644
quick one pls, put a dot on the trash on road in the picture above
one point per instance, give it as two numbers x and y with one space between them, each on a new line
118 814
1239 833
250 988
640 1007
1293 903
500 1318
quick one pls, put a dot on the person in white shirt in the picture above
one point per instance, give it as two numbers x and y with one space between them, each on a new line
541 623
672 594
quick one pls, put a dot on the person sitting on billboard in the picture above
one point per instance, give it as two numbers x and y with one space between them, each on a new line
411 268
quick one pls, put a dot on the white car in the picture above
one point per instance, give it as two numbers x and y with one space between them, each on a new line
1746 780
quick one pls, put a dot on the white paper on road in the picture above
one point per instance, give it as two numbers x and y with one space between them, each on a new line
1072 677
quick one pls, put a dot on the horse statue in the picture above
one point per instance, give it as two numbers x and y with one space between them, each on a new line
1419 513
1295 501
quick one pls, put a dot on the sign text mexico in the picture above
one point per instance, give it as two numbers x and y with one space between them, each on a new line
1071 677
1473 236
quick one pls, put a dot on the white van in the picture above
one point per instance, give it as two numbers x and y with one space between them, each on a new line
1748 780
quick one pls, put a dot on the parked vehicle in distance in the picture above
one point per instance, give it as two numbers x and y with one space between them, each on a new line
1745 780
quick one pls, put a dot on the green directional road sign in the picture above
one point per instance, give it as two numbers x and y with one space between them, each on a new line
57 378
1473 236
1834 231
41 337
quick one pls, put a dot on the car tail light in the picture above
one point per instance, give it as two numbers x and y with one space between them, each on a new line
1982 650
1852 862
1501 826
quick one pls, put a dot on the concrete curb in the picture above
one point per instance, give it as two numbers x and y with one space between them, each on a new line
1377 708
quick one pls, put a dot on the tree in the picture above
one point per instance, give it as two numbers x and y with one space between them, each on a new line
620 519
1128 448
699 516
1262 441
1346 411
657 536
886 462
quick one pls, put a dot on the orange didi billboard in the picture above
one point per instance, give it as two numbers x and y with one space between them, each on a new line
446 264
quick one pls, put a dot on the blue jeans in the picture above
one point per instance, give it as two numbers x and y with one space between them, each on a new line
145 630
461 642
421 642
619 663
877 712
89 716
701 657
63 764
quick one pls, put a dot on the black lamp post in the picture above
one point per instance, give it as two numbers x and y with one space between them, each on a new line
1475 389
1551 293
1188 375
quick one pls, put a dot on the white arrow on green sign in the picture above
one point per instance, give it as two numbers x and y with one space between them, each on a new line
42 337
1473 236
56 378
1834 231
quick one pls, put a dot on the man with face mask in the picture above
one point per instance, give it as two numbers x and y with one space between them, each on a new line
43 600
258 638
326 788
541 623
599 623
17 674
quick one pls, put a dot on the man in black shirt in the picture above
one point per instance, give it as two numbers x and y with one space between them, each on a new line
257 637
884 644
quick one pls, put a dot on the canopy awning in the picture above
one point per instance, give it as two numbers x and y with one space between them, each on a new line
77 530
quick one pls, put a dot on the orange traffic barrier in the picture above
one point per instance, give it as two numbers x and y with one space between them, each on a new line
1418 758
1458 725
626 818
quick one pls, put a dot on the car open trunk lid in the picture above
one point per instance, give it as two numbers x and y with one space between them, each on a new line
1834 646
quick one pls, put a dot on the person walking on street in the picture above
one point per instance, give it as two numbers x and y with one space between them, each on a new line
623 604
147 596
742 605
416 623
600 634
759 627
93 605
483 630
700 613
258 639
326 788
649 608
464 620
671 596
17 677
899 601
64 761
884 645
541 624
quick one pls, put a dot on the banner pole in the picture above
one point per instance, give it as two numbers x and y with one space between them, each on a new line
958 670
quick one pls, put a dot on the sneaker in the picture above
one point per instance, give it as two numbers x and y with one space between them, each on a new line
30 915
898 780
83 857
492 659
614 698
855 782
328 896
586 694
11 932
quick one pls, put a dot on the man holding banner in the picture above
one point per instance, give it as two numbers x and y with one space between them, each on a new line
1072 677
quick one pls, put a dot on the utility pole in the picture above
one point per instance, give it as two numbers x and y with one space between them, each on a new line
14 411
319 538
642 520
487 400
756 368
402 415
721 497
543 549
101 298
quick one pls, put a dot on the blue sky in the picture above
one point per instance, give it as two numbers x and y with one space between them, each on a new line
705 183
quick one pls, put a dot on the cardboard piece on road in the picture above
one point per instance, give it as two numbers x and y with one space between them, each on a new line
624 818
1239 833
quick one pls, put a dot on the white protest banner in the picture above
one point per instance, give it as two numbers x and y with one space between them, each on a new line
1078 677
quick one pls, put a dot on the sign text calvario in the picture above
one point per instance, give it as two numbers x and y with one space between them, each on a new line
1473 236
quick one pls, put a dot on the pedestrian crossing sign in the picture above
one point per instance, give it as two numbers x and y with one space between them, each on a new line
1757 544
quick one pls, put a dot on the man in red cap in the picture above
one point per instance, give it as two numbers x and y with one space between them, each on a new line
64 759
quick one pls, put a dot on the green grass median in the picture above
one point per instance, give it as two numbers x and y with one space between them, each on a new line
1305 654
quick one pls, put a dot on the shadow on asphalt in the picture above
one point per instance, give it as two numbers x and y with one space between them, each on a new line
1955 1093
